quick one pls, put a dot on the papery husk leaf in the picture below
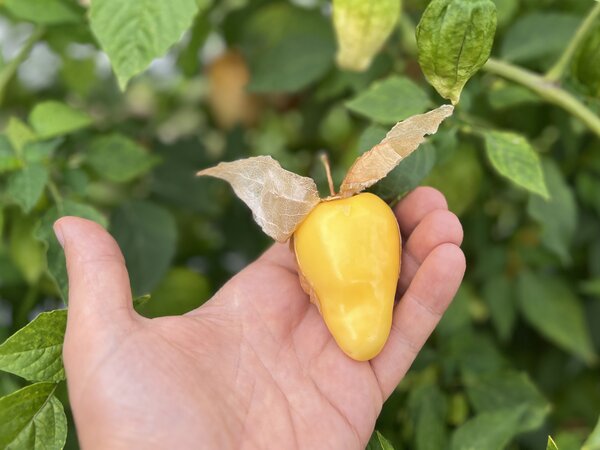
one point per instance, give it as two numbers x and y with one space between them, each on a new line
279 199
401 141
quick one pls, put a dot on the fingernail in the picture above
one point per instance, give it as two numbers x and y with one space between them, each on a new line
59 234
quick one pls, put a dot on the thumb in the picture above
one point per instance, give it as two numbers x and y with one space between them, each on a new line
99 289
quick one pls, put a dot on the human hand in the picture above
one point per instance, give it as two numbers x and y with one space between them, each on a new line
255 366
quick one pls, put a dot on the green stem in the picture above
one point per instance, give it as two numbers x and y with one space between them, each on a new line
557 71
8 71
546 90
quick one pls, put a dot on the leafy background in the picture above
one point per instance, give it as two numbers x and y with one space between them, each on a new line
514 359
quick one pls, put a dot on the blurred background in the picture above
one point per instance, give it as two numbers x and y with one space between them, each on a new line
259 77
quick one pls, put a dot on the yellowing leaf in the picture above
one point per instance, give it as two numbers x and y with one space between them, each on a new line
401 141
279 199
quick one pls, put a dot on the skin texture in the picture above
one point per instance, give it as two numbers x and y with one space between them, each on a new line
255 367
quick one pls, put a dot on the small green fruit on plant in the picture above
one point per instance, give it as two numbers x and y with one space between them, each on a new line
454 39
362 27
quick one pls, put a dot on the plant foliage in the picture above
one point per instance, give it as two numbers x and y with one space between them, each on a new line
109 108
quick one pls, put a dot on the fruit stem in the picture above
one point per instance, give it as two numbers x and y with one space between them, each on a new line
325 162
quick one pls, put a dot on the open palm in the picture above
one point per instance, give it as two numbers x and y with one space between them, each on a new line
254 367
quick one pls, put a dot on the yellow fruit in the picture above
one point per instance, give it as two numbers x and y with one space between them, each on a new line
348 252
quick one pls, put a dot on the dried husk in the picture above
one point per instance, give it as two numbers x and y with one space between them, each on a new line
401 141
279 199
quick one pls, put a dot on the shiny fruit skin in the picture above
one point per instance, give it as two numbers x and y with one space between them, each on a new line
348 253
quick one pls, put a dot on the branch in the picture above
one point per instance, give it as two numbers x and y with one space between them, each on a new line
557 71
8 71
546 90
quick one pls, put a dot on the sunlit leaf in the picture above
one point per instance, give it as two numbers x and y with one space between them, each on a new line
32 419
362 28
551 444
134 33
50 119
390 100
514 158
593 440
378 442
35 351
44 12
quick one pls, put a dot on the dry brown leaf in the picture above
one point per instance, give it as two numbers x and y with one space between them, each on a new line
278 198
401 141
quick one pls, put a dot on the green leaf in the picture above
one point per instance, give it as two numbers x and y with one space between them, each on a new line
118 158
32 419
147 235
498 294
26 186
408 174
35 351
506 9
509 390
593 440
54 254
458 178
378 442
586 67
289 48
557 215
551 444
550 306
491 430
361 29
134 33
457 317
181 291
50 119
175 182
391 100
28 253
141 301
44 12
505 95
19 134
528 38
569 440
40 151
514 157
428 409
8 159
454 39
188 58
590 287
370 137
